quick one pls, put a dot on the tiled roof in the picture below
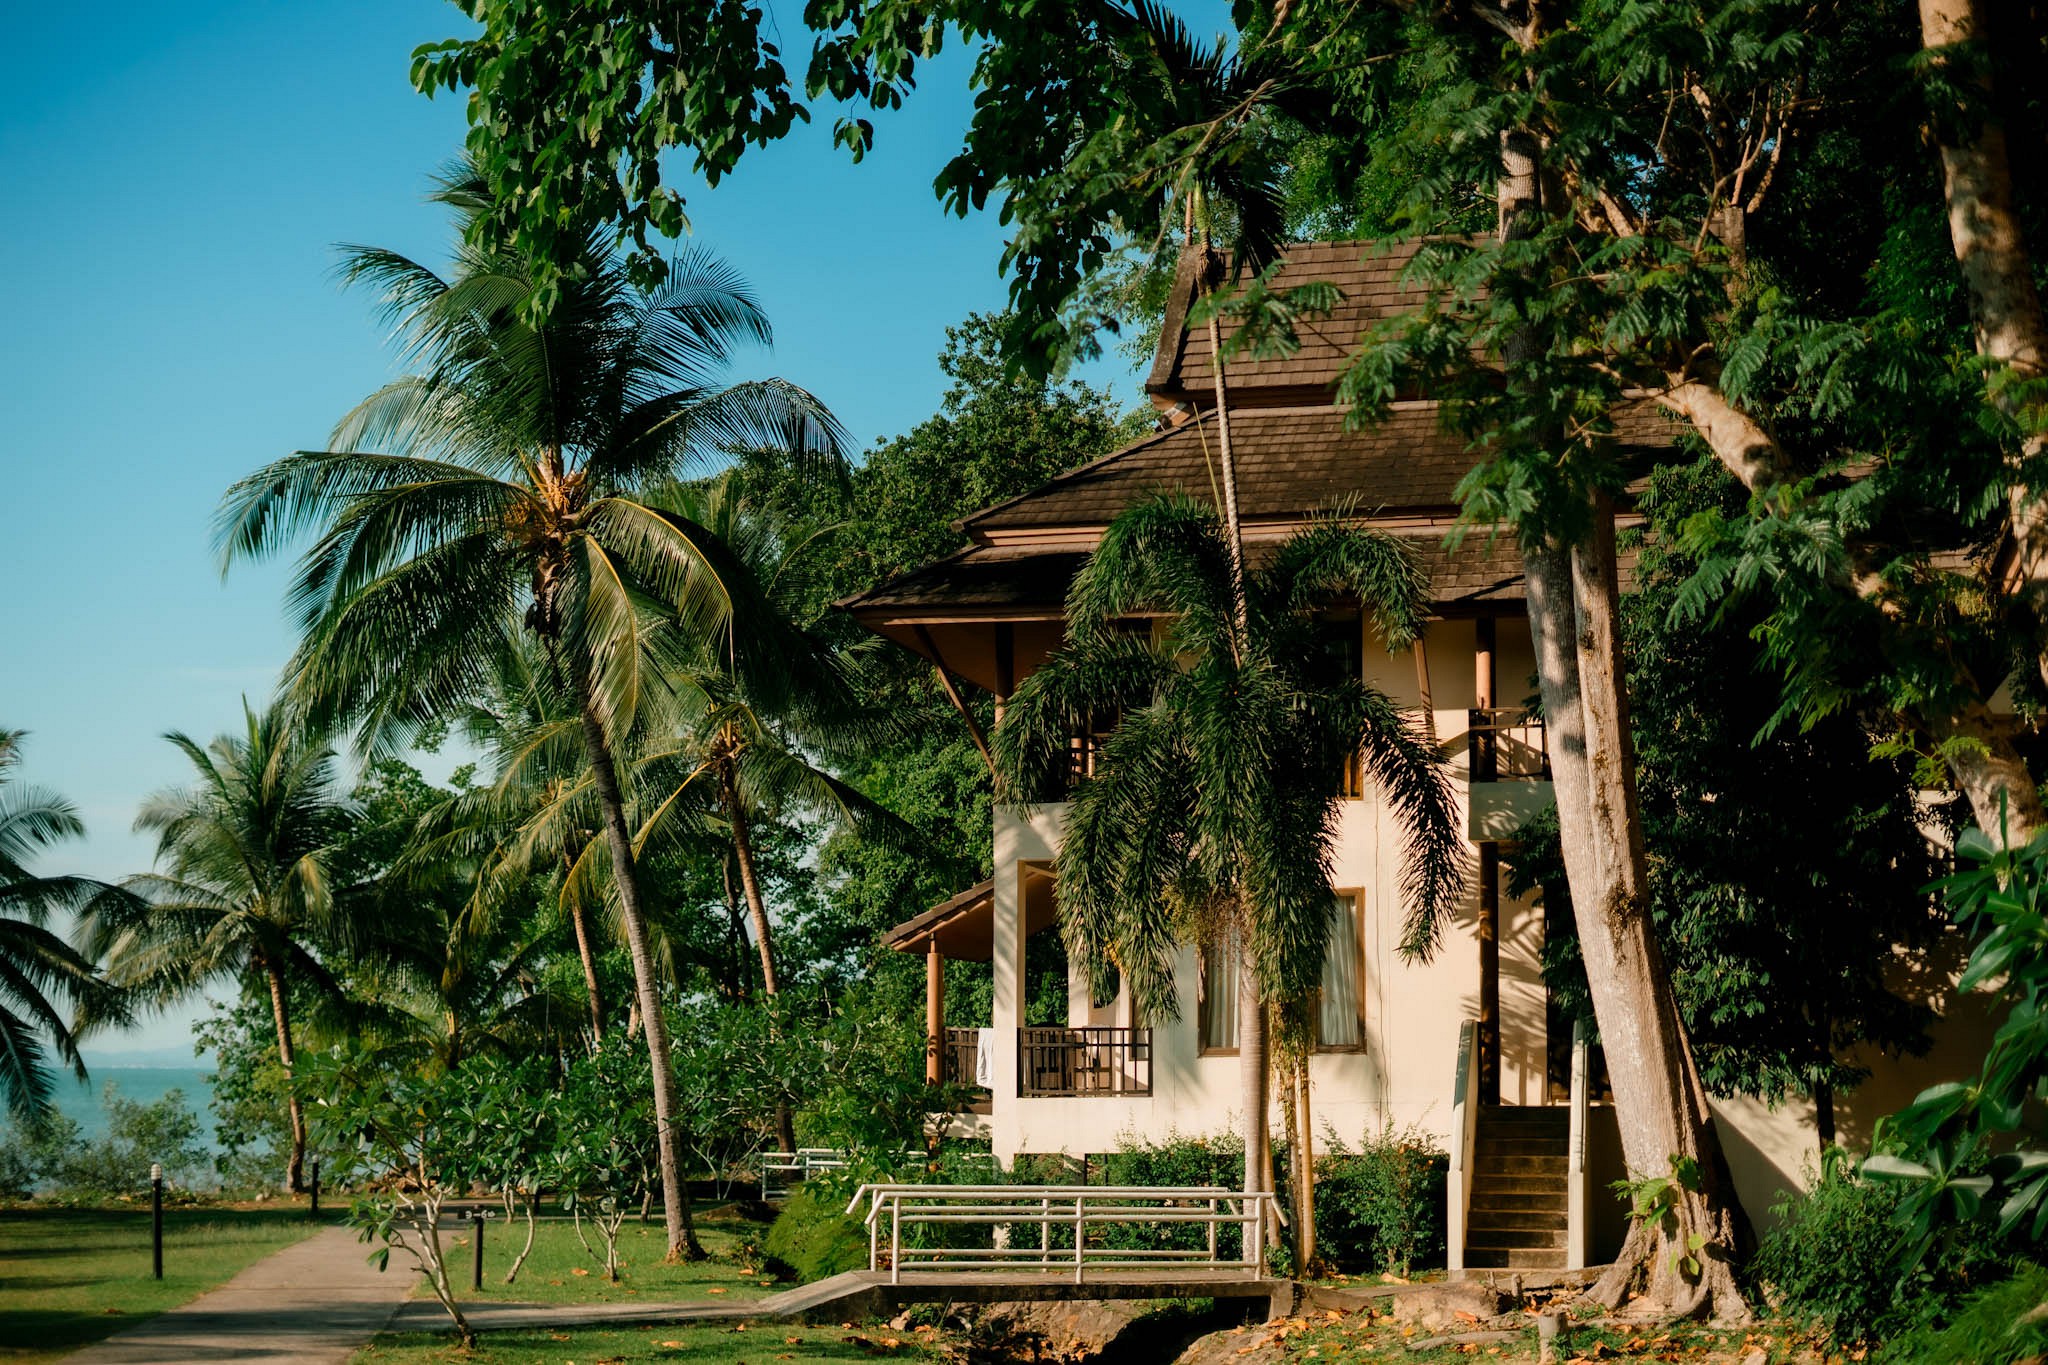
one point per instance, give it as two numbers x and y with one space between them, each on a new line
1366 275
999 580
1289 461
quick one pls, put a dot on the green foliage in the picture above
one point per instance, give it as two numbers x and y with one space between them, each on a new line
250 1089
1965 1146
812 1238
53 1158
2000 1325
1381 1207
605 1153
1831 1260
1657 1201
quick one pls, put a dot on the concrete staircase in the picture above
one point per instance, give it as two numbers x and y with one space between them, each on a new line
1520 1205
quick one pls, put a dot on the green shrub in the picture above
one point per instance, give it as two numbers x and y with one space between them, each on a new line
1176 1160
1382 1206
812 1238
2001 1325
1833 1260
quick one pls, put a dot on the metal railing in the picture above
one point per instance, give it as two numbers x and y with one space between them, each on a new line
780 1170
1578 1217
1506 745
1084 1061
1070 1221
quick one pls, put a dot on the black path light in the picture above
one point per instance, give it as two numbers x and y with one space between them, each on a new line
314 1211
476 1274
156 1218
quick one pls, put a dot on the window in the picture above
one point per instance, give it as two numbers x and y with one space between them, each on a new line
1339 1004
1340 1008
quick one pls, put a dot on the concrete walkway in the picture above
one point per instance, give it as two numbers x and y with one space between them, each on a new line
315 1303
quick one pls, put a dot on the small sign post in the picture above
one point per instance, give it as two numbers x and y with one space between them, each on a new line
476 1274
314 1212
156 1218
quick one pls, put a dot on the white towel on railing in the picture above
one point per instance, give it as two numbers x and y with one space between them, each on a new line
985 1058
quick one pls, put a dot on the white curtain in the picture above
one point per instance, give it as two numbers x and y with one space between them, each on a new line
1219 996
1337 1019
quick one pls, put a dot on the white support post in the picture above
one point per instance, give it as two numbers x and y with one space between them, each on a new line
1464 1133
1578 1229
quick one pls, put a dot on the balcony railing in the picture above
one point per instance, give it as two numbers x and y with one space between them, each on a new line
1506 745
957 1061
1084 1061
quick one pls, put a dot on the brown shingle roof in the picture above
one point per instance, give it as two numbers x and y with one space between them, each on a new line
1290 461
1367 276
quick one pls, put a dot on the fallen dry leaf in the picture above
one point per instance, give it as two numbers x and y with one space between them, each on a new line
578 1270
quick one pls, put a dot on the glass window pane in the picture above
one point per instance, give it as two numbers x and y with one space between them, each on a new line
1337 1019
1219 997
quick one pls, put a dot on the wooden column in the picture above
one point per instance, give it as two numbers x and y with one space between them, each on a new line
1484 680
934 1012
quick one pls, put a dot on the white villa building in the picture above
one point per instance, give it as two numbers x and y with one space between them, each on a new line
1465 1047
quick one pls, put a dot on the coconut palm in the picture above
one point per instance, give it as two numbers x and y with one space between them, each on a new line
496 492
242 888
1211 814
36 964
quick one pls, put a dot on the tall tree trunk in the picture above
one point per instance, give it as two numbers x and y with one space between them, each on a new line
1305 1165
1226 459
1660 1102
675 1199
280 1012
757 907
580 920
1991 248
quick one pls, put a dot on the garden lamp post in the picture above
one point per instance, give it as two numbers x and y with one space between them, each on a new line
156 1218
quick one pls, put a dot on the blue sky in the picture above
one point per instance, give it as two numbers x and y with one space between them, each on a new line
174 180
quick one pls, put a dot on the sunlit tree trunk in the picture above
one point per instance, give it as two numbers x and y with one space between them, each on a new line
280 1012
682 1235
757 907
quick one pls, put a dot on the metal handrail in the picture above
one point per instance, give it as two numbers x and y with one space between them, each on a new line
805 1161
1008 1208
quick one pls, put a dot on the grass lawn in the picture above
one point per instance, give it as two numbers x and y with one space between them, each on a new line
561 1271
707 1343
69 1277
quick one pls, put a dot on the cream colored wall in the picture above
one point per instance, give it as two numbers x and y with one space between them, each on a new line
1413 1009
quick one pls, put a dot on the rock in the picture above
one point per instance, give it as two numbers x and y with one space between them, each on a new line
1237 1346
1757 1358
1060 1329
1464 1303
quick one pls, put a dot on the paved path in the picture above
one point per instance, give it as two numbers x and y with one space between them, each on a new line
314 1303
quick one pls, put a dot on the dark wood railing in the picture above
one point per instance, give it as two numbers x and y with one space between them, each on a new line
1506 745
957 1061
1084 1061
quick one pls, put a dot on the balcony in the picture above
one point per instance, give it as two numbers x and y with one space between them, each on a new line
1508 760
1084 1062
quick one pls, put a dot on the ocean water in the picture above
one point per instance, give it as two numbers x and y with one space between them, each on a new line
144 1085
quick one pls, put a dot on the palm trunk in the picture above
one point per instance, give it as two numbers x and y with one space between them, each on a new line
280 1011
1254 1065
675 1199
757 907
1305 1179
580 921
1226 459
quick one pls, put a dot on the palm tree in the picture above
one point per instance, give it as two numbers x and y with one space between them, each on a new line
762 702
1211 814
242 888
759 703
497 492
35 963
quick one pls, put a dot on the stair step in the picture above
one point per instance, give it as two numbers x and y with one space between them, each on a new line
1491 1145
1513 1238
1526 1116
1519 1201
1491 1220
1516 1259
1553 1166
